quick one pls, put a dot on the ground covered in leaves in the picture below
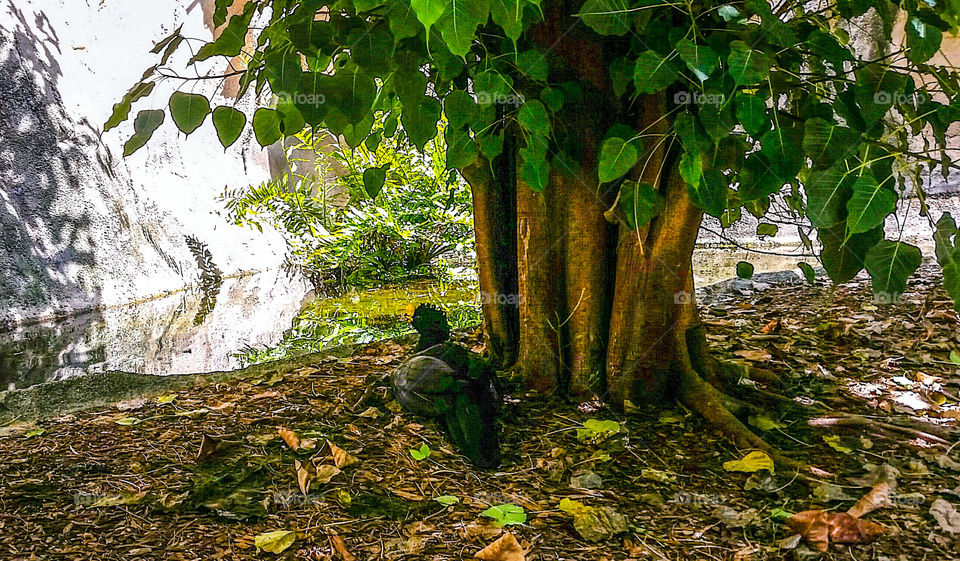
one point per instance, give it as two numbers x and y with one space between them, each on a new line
321 464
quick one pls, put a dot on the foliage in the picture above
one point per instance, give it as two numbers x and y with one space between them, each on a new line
363 317
356 229
766 106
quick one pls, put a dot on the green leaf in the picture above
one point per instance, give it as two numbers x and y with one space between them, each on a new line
373 180
146 122
459 108
653 72
752 113
188 110
266 126
535 172
745 270
229 124
639 203
729 13
372 49
403 20
764 229
923 40
533 117
220 11
420 120
461 149
700 59
367 5
621 75
508 14
121 110
231 40
825 143
351 91
710 193
459 23
428 11
747 66
506 514
890 264
844 257
954 357
491 145
781 146
128 421
607 17
447 500
533 65
869 205
827 194
420 454
808 272
948 256
691 168
617 156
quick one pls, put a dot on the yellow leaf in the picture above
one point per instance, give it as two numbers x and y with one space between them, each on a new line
276 541
754 461
834 442
166 398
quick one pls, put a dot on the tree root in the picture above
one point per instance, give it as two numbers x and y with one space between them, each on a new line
703 398
888 429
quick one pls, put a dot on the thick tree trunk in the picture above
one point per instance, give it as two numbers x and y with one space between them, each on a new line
495 222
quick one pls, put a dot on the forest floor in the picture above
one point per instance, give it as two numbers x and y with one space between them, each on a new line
210 472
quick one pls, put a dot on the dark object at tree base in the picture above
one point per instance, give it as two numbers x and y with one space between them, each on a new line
446 381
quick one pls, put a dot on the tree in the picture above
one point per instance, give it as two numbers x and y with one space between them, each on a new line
595 135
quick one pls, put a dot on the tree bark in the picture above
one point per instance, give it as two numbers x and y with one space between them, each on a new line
495 222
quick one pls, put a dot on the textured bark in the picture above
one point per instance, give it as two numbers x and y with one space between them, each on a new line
494 207
538 278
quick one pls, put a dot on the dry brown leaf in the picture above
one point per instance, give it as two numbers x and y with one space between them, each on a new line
772 327
507 548
208 446
341 458
878 497
818 528
306 473
291 438
325 473
337 543
265 395
407 495
754 355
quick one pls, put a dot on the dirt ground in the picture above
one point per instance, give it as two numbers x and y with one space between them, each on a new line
201 473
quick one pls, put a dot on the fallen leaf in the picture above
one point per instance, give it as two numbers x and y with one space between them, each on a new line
946 515
594 523
734 518
340 546
291 438
306 472
878 497
276 541
341 458
507 548
828 492
754 461
754 355
818 528
586 479
124 498
325 473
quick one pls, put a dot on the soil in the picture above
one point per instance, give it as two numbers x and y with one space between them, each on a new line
202 471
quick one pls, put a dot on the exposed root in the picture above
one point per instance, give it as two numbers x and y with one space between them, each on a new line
732 372
887 429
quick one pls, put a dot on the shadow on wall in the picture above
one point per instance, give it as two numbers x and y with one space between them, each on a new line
39 243
69 227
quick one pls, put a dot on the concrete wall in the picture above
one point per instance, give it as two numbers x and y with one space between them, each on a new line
80 226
